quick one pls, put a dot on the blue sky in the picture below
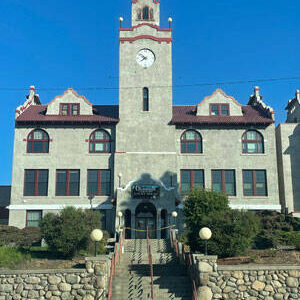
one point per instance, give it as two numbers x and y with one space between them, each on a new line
59 44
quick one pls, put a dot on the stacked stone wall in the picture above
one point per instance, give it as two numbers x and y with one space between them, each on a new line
82 284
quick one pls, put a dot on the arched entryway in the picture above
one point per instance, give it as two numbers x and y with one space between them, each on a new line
145 217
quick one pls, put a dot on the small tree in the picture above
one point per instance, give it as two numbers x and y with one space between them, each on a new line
69 231
233 231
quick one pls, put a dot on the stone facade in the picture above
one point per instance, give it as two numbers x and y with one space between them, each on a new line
255 282
288 158
82 284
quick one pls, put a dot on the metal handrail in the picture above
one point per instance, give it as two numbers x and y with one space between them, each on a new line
150 264
188 261
114 262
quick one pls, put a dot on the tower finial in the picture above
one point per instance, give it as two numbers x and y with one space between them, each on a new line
298 95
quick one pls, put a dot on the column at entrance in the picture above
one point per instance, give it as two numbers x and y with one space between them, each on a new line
159 225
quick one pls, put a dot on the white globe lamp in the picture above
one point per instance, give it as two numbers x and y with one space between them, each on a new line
96 236
205 234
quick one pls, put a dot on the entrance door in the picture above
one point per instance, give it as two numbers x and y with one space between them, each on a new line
145 218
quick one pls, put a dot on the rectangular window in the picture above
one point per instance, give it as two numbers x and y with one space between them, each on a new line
36 183
33 218
255 183
67 182
191 179
99 182
219 109
224 181
69 109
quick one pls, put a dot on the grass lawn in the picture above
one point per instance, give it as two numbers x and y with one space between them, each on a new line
11 257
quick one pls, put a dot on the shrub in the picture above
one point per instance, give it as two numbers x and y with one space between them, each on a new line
69 232
274 227
233 231
293 238
9 235
13 236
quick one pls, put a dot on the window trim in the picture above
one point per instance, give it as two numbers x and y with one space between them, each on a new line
100 141
67 183
254 183
99 192
253 141
70 109
43 141
31 210
187 141
224 181
219 109
36 182
192 178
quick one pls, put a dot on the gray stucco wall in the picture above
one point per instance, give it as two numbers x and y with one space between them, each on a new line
288 149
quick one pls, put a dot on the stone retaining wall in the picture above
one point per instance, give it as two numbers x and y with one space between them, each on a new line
82 284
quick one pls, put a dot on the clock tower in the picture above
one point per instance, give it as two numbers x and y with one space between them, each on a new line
145 82
145 140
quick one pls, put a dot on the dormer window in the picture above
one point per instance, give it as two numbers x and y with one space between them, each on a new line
69 109
219 109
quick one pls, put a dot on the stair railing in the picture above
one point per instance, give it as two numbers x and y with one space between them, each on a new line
114 261
187 258
150 264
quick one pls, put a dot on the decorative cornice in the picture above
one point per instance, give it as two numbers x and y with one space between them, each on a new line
146 24
256 101
74 93
149 37
154 1
219 91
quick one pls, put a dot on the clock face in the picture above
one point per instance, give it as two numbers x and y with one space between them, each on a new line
145 58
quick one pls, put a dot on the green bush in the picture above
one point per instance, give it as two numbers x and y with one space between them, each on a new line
293 238
274 227
233 230
69 232
10 257
24 238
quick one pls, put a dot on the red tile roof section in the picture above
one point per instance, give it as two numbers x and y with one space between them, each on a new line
183 114
102 114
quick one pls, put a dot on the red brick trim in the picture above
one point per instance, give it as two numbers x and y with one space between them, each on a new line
149 37
154 1
146 24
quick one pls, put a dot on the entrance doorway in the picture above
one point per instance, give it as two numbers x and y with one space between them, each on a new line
145 217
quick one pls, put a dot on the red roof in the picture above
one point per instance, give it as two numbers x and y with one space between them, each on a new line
183 114
102 114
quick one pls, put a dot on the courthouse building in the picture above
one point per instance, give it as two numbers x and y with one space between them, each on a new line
142 156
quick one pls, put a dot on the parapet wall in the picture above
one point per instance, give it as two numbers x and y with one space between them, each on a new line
66 284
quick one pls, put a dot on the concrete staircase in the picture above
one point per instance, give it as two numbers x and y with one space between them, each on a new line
133 281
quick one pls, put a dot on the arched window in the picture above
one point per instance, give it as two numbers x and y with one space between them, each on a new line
253 142
191 142
38 141
139 14
146 13
145 99
151 14
100 142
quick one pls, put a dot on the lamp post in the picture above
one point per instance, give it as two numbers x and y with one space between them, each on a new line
120 215
120 175
170 22
174 215
96 236
121 20
205 234
91 197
